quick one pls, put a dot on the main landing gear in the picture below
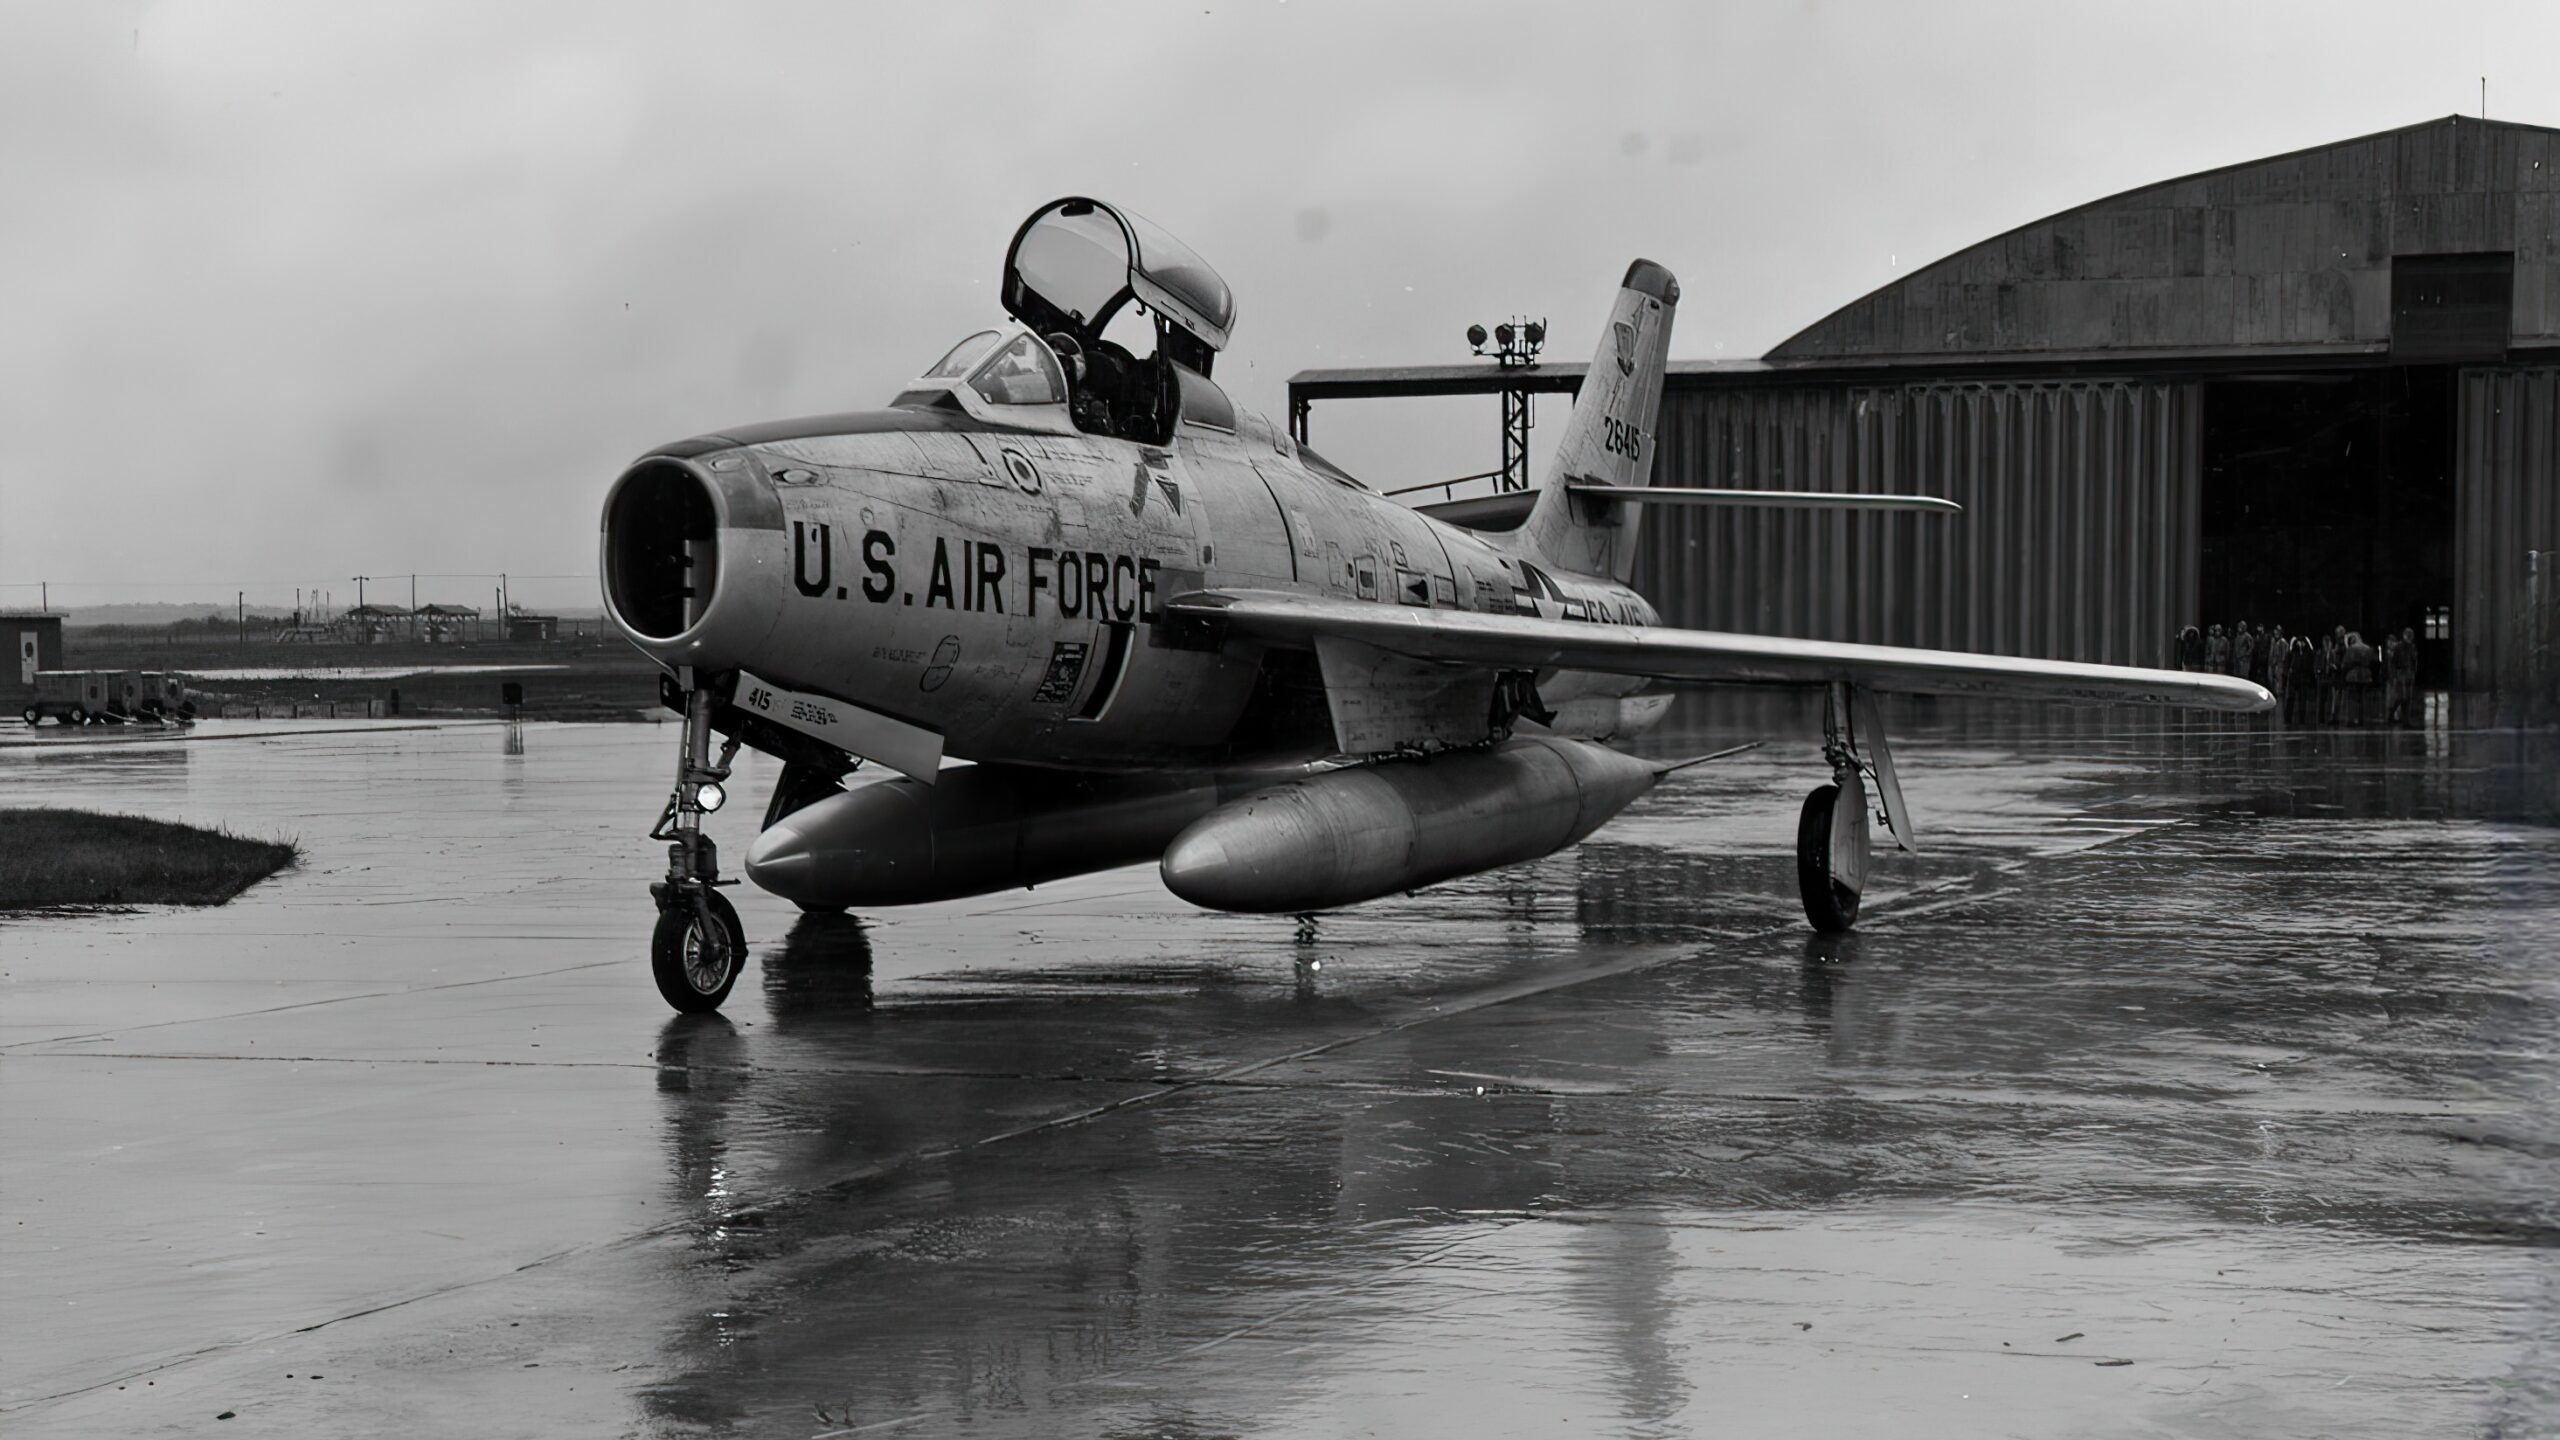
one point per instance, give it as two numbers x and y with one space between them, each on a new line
1831 835
699 946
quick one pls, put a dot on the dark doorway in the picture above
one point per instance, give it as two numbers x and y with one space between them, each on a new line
2328 501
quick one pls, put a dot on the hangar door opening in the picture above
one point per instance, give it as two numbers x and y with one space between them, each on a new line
2329 500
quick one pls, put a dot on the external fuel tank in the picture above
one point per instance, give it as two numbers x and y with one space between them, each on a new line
1345 836
981 828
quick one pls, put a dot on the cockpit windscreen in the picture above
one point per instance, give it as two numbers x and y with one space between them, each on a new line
1022 373
963 355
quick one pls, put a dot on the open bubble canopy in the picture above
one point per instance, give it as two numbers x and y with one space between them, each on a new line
1075 262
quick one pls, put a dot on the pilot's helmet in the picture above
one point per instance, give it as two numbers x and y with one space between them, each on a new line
1070 354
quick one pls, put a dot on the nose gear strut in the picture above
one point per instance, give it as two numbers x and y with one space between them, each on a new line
698 947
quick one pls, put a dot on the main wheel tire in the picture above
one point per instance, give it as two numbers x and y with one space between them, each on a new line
32 716
1831 906
695 965
79 714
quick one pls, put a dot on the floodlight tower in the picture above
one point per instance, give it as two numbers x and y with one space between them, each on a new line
1516 345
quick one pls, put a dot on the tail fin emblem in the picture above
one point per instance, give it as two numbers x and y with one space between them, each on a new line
1626 347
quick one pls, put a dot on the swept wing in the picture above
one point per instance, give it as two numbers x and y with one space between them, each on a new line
1507 642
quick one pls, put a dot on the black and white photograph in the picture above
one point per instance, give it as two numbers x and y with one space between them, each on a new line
1279 719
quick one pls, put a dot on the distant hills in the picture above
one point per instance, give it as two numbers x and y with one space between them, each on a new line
155 613
77 617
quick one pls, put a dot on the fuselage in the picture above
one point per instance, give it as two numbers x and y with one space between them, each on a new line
1006 587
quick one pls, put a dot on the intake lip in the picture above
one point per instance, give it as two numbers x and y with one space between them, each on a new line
691 550
661 561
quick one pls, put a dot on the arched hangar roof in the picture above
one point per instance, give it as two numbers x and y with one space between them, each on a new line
2293 252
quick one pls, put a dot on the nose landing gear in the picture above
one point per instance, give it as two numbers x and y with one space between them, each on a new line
699 947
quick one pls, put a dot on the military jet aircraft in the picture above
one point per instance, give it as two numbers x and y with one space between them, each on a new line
1163 629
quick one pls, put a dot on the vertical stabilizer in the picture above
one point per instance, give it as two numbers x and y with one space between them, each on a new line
1610 439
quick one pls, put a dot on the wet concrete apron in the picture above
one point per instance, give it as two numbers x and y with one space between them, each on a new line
2199 1080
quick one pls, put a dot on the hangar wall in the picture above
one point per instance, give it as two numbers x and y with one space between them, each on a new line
2078 542
2056 378
2292 251
2506 504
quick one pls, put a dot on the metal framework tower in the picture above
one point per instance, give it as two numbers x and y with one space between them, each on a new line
1516 345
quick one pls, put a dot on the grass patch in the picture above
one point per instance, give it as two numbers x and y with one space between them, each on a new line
51 858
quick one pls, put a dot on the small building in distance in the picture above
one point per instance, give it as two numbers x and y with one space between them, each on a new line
367 624
35 643
523 626
444 624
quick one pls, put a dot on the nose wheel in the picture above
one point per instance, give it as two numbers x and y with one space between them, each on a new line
697 951
699 947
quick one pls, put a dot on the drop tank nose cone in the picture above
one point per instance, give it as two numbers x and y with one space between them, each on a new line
1358 833
782 862
1289 848
1197 869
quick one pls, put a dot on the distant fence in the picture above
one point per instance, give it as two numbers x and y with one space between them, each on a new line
365 708
212 631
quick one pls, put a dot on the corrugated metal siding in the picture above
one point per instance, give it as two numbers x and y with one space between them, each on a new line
2079 539
2506 504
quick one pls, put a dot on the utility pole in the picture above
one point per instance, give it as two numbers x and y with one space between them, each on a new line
240 613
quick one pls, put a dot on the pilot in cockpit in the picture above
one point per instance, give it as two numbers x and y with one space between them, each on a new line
1085 403
1109 391
1075 266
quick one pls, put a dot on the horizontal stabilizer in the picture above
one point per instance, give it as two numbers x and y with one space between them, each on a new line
1772 499
1502 510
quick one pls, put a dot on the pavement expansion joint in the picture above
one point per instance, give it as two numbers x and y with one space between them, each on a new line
311 1004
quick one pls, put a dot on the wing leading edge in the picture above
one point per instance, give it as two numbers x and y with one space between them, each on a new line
1505 642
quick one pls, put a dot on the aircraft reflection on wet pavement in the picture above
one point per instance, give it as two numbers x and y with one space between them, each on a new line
1676 1196
1164 628
2223 1048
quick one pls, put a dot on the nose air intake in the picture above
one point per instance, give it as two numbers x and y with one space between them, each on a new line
661 547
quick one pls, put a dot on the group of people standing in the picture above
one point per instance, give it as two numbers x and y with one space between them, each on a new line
2333 680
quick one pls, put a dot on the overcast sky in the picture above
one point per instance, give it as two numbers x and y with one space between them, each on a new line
290 292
